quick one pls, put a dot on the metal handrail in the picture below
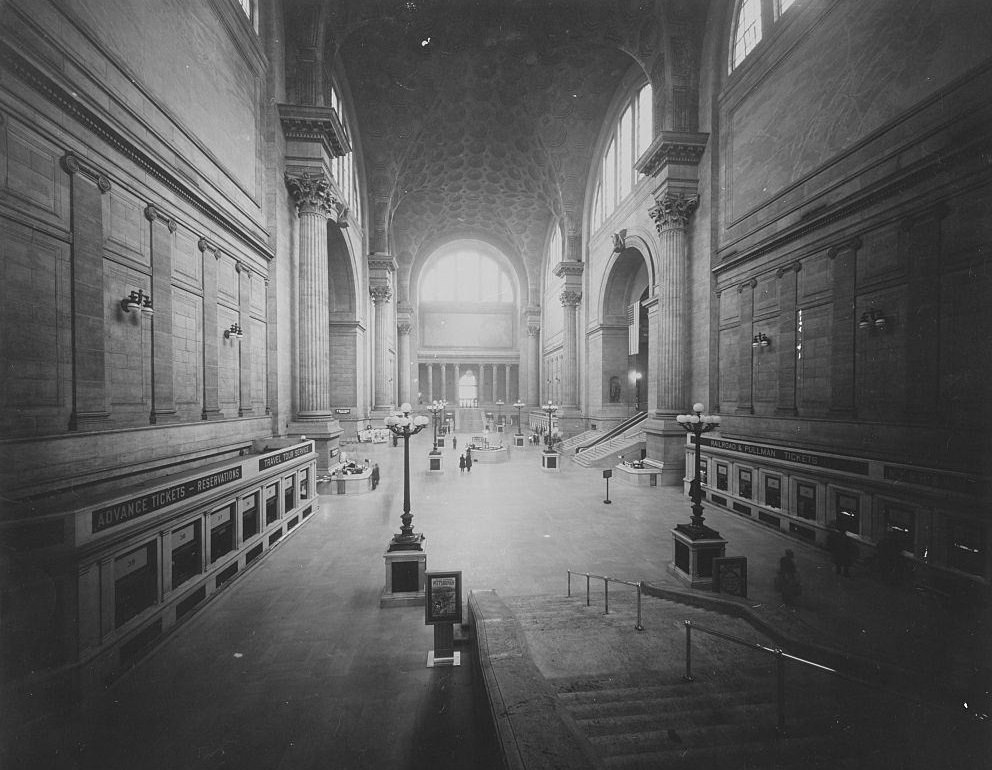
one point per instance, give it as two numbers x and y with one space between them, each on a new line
606 591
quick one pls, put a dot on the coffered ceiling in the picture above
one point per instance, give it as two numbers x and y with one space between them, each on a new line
479 118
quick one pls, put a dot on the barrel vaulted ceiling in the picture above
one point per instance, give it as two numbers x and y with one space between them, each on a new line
479 118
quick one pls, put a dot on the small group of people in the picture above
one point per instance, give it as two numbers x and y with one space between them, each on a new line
465 461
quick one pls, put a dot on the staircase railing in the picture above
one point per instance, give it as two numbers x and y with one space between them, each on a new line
616 430
606 591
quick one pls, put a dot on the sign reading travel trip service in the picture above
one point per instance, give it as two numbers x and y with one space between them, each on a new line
121 513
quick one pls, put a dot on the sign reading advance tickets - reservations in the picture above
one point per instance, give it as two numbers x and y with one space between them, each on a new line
121 513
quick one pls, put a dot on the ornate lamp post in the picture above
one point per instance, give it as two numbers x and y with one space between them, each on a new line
549 409
518 406
436 408
499 413
696 545
697 424
403 426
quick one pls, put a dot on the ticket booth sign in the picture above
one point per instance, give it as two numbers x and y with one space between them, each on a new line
443 598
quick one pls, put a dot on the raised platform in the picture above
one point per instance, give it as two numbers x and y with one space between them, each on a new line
345 483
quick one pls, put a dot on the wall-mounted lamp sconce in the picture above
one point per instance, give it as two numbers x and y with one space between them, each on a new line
234 331
760 339
872 318
137 300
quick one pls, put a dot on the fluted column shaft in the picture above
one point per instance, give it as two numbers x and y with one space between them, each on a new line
403 363
570 359
671 217
380 299
314 204
534 368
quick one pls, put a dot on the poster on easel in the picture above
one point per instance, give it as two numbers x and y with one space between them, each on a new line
443 597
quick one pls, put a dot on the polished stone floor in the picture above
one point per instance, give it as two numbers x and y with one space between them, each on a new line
295 665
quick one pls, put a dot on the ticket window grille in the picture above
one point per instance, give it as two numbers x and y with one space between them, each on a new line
186 551
900 523
773 491
848 515
722 477
806 500
304 476
271 503
965 547
135 583
249 516
744 483
221 532
289 493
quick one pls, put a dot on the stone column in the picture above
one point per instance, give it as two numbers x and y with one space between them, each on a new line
671 215
493 369
430 382
458 377
403 361
314 204
383 393
444 382
534 365
211 334
570 297
163 381
89 373
313 418
506 383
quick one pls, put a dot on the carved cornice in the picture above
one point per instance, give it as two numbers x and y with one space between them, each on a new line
312 193
312 123
153 212
383 262
74 109
568 268
73 164
672 147
674 211
570 297
381 293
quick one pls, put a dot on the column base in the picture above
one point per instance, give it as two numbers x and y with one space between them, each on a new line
551 461
695 550
326 434
83 421
434 462
664 441
405 577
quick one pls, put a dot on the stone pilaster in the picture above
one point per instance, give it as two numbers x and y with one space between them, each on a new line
787 339
533 365
403 329
89 372
211 334
245 407
570 296
745 372
162 229
842 329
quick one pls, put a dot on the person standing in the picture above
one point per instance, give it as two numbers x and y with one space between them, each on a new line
461 463
454 442
787 580
468 461
375 475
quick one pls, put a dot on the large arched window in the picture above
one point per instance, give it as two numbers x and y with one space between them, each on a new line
750 22
345 171
466 276
629 138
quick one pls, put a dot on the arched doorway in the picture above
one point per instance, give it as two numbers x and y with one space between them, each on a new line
621 342
468 390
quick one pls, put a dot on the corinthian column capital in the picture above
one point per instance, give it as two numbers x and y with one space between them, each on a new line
312 193
381 293
673 211
570 297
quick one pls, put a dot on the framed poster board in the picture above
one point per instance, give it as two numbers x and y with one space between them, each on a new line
443 601
730 575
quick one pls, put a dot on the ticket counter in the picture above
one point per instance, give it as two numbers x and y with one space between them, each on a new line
138 564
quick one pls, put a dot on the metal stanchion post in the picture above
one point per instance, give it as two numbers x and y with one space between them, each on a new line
781 691
639 627
688 651
606 595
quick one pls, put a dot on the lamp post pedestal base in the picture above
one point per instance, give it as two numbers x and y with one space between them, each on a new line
695 549
405 575
518 440
434 463
551 461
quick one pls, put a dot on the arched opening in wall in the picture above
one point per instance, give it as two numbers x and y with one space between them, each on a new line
468 308
468 390
623 339
344 327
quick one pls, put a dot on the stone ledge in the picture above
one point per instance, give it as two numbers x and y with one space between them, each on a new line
523 707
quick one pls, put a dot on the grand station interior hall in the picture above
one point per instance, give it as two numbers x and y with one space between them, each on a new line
309 305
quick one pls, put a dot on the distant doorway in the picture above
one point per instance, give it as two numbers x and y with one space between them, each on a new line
468 390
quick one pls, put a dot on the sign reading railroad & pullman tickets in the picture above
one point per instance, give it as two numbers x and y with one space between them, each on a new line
443 598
